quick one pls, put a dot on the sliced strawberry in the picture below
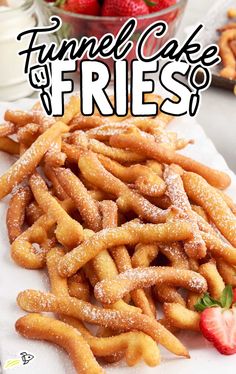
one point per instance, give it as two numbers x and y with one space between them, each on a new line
219 327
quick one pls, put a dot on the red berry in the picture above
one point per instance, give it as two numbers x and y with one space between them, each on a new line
219 327
90 7
234 295
123 8
160 5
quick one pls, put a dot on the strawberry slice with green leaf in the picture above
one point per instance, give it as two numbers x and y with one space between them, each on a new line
218 320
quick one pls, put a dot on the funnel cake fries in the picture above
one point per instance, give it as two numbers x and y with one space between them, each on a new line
227 47
227 272
16 212
7 128
24 251
233 46
195 247
108 291
30 159
227 55
122 259
215 282
9 146
135 345
145 180
231 13
180 317
36 301
119 218
96 174
127 234
178 259
103 264
204 195
35 326
69 232
153 150
85 204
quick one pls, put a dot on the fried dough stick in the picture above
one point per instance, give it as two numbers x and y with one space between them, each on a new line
16 212
108 291
178 259
180 317
208 198
103 264
69 232
133 234
35 326
9 146
85 204
155 151
215 282
231 13
195 247
23 251
122 258
135 345
145 180
7 128
95 173
37 301
227 55
26 164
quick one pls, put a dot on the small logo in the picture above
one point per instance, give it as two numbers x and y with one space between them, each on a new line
24 359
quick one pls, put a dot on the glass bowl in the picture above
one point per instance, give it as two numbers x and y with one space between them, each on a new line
79 25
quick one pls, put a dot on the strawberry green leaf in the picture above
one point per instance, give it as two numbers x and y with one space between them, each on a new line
206 302
59 2
226 298
199 306
150 3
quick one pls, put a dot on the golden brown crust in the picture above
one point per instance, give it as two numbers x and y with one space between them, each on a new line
16 212
35 326
162 154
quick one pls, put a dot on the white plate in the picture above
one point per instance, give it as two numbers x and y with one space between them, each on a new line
49 359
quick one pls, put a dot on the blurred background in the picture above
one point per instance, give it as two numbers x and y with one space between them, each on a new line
217 114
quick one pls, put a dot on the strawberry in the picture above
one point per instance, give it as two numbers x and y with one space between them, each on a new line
219 327
218 321
123 8
157 5
234 295
90 7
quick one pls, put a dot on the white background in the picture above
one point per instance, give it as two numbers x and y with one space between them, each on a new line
217 114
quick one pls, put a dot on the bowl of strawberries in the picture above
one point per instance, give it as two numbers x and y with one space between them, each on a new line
97 17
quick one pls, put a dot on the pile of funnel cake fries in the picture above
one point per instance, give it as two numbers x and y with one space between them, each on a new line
122 222
227 46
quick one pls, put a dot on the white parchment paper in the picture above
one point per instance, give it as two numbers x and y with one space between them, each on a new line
48 358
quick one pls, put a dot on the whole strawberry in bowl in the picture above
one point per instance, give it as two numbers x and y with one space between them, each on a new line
90 7
120 8
98 17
